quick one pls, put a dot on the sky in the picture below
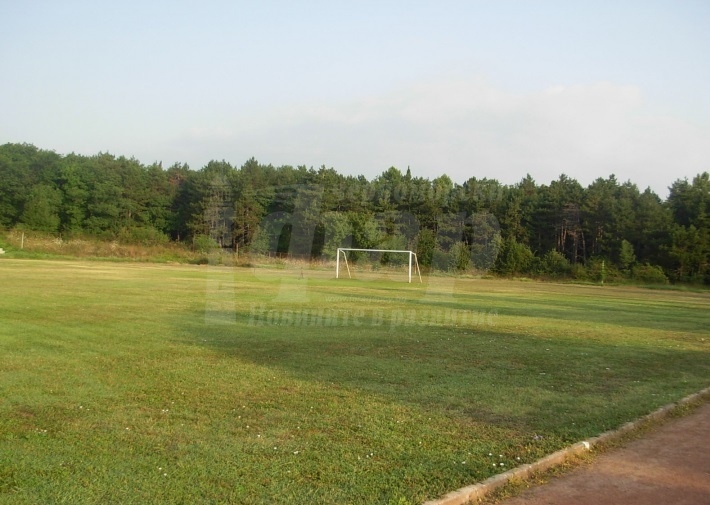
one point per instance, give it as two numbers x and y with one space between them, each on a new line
487 89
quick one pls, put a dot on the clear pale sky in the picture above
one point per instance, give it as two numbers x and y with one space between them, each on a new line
493 89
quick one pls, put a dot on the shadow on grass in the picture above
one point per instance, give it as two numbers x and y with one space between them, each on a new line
573 388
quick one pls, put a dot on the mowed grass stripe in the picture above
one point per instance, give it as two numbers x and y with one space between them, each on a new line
124 383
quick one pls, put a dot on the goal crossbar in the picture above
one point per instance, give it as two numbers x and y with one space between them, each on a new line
341 250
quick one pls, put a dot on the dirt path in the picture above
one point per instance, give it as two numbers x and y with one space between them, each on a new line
669 466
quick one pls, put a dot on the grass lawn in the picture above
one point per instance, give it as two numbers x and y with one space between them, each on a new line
138 383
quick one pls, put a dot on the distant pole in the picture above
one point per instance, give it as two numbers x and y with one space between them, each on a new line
337 264
410 267
603 272
22 241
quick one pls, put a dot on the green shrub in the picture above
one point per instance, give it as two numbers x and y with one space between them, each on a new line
649 274
143 235
515 258
461 256
603 270
442 261
580 272
555 264
204 243
627 258
426 244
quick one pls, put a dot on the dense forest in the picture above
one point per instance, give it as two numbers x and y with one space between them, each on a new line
560 229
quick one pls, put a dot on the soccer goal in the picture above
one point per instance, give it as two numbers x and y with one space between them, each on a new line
342 251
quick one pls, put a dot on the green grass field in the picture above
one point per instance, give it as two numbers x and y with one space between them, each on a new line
138 383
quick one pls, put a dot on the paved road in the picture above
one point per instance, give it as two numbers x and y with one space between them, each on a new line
669 466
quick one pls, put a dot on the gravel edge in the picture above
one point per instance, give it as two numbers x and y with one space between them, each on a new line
468 494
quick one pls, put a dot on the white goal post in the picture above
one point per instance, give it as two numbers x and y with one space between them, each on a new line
341 250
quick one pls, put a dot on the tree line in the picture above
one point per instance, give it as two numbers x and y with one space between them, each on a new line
610 228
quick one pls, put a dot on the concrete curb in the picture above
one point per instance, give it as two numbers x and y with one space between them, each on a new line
468 494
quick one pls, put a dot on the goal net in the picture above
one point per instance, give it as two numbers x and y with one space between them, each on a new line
342 253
